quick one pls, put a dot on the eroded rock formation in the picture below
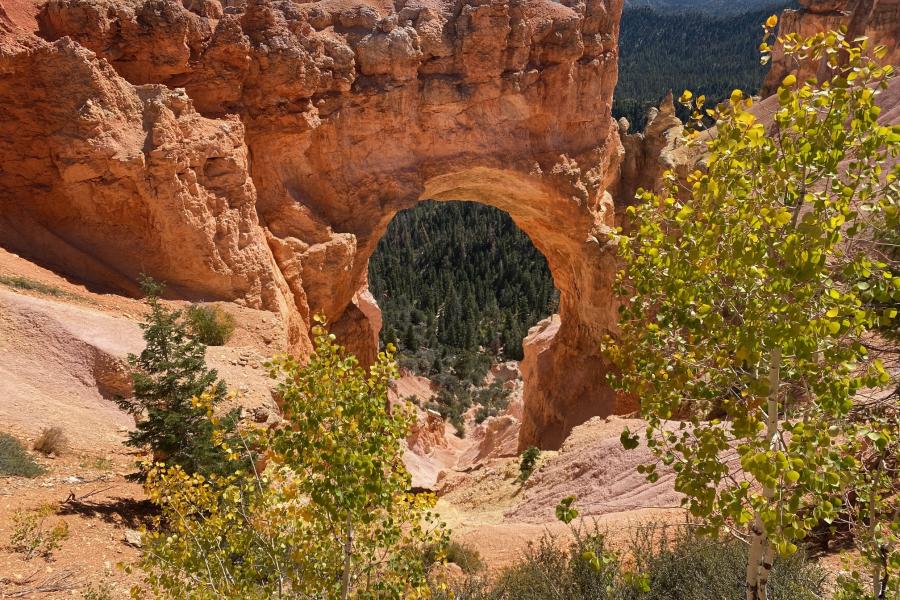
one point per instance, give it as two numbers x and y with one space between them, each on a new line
879 20
256 151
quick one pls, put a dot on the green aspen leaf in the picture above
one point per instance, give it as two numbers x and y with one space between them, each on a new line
629 441
565 512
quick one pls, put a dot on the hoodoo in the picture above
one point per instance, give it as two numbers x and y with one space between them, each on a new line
255 151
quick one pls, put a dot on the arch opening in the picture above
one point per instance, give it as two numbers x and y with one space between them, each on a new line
562 368
459 286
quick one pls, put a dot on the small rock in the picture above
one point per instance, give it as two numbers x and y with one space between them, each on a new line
134 538
74 480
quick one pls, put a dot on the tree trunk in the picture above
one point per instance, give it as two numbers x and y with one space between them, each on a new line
757 543
876 564
348 553
759 563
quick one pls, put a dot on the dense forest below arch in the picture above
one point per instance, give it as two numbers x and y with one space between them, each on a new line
458 277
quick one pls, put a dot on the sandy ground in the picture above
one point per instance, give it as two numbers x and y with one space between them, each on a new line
62 359
105 506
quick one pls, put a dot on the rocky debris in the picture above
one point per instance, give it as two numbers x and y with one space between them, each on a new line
495 437
134 538
248 358
506 372
139 117
264 415
427 434
408 385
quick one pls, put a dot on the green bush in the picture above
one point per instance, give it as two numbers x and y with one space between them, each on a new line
463 555
665 564
528 462
175 395
212 325
493 400
14 460
682 565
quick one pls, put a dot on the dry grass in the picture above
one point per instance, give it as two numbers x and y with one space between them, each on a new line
51 441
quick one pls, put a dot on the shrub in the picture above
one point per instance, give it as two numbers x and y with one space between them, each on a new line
15 461
586 570
465 556
101 592
493 400
31 536
99 464
212 325
51 441
664 564
23 283
682 565
528 462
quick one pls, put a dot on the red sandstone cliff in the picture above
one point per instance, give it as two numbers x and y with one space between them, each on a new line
255 151
879 20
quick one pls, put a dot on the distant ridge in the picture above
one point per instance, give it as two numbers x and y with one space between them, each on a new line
719 7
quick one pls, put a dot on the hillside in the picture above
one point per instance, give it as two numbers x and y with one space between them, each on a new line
455 277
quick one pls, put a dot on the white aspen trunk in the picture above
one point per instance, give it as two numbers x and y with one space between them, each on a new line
765 567
348 553
876 564
759 563
756 552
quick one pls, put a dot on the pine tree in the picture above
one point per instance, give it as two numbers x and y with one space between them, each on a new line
169 376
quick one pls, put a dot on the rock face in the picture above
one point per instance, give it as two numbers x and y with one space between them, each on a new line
256 150
879 20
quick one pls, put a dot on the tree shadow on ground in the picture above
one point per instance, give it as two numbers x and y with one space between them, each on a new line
124 512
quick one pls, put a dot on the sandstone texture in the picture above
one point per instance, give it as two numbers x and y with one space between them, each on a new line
879 20
256 150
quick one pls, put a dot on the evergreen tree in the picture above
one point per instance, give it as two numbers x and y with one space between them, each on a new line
169 376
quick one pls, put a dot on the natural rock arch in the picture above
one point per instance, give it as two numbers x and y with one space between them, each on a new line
347 112
562 367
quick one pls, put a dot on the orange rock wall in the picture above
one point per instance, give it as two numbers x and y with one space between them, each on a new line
256 151
879 20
